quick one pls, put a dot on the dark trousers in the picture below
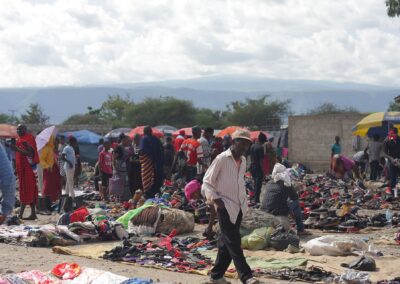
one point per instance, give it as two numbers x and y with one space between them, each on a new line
393 173
374 170
294 207
229 248
258 176
158 183
191 172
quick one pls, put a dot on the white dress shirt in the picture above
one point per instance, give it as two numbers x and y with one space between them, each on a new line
224 180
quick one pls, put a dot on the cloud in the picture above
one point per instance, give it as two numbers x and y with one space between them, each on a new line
80 42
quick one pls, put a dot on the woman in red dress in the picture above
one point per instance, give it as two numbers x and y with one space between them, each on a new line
26 159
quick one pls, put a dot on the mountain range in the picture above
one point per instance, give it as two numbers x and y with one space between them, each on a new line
209 92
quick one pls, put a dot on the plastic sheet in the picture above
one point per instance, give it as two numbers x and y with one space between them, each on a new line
335 245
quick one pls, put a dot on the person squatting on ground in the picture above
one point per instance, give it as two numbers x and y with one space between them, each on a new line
224 186
275 200
7 186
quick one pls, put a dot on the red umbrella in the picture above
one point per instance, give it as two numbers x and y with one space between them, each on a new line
229 130
140 130
254 134
8 131
188 132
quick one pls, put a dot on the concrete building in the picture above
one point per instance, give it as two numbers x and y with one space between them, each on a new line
311 138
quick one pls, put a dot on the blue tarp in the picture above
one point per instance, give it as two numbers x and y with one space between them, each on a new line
84 136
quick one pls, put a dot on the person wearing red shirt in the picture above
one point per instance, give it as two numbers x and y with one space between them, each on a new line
105 167
179 140
193 152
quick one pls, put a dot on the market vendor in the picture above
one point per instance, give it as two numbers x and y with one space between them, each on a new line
344 167
278 191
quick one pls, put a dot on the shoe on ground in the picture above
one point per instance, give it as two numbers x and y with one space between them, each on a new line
310 221
252 280
304 233
221 280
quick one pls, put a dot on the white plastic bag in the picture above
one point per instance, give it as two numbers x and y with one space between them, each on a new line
335 245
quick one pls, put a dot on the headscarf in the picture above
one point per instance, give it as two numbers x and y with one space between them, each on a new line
392 134
280 174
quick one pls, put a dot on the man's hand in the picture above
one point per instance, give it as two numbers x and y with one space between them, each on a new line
220 204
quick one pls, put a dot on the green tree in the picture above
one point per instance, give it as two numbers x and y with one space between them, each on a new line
393 8
394 106
5 118
331 108
91 117
34 115
258 113
114 110
165 110
208 118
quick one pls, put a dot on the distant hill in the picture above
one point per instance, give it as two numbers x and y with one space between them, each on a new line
210 92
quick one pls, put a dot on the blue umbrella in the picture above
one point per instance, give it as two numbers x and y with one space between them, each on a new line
84 136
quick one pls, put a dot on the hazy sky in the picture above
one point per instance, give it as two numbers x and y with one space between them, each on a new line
73 42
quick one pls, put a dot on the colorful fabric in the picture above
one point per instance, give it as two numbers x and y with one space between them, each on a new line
191 188
178 142
52 181
26 166
193 151
348 164
79 215
147 172
47 155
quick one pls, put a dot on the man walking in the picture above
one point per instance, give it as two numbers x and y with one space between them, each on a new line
224 186
7 186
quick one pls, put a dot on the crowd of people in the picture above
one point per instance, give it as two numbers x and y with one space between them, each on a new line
211 169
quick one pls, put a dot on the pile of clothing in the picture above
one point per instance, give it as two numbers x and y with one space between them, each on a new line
156 217
70 273
99 229
176 254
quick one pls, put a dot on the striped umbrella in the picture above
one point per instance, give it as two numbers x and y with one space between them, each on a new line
377 123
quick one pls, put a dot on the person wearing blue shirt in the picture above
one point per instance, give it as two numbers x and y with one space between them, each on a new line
336 149
7 185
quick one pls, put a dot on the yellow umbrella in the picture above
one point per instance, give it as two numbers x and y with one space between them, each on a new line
376 123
